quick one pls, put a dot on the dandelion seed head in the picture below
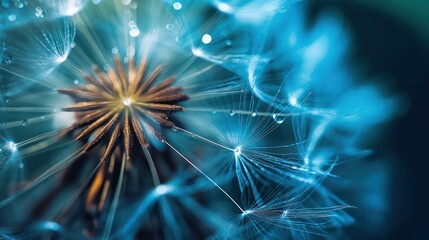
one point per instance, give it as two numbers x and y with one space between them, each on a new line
229 131
127 102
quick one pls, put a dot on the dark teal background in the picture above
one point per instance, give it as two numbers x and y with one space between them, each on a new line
392 38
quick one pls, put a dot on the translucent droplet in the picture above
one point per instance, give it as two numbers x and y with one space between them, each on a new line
5 4
232 113
20 3
193 134
177 5
42 117
6 100
96 1
228 42
125 2
170 27
7 59
24 123
11 17
133 5
174 128
278 119
39 12
254 114
206 39
115 50
134 30
76 81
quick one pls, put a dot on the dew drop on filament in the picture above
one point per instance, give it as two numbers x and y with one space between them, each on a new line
39 12
7 59
278 119
134 31
169 27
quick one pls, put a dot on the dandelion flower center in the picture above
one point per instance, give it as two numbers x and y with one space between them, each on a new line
127 101
114 103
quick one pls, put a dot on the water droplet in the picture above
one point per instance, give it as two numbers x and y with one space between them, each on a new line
11 17
232 113
177 5
134 30
39 12
170 27
228 42
24 123
133 5
20 3
125 2
73 44
42 117
96 1
5 4
6 100
254 114
174 128
193 134
115 50
278 119
206 39
7 59
76 81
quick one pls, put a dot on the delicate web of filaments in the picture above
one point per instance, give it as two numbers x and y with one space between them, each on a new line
156 180
63 164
